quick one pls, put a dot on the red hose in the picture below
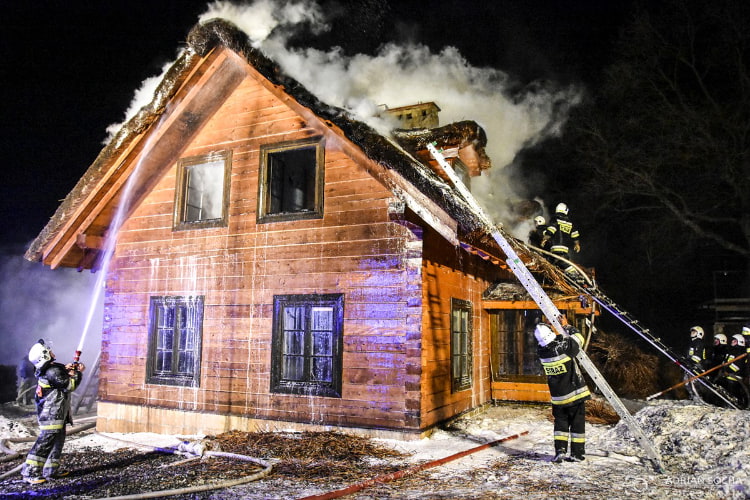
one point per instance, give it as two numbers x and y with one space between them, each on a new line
411 470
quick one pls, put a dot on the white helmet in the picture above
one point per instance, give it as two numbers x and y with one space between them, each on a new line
561 208
544 334
39 354
721 338
696 332
739 338
539 221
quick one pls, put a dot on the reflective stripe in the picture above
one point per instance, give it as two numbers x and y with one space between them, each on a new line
573 396
52 425
574 235
559 249
555 360
578 337
578 438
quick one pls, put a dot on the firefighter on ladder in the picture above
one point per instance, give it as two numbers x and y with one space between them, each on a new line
562 235
566 386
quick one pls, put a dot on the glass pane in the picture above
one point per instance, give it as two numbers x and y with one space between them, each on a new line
185 362
294 368
294 318
164 342
322 370
322 343
322 318
164 361
165 316
291 180
204 193
294 343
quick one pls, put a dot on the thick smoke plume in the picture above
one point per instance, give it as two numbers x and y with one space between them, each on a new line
39 303
399 75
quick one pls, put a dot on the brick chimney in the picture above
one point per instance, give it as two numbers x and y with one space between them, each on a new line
415 116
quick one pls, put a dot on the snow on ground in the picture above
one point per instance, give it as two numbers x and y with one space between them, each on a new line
705 451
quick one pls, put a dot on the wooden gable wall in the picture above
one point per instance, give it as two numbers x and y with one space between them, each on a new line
354 250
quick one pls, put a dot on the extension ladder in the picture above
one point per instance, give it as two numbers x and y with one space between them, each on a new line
548 308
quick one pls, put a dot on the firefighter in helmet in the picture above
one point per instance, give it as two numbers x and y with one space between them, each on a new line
561 234
719 349
536 235
697 349
566 386
55 382
732 374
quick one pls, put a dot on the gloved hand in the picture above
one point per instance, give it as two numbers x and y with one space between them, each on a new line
576 247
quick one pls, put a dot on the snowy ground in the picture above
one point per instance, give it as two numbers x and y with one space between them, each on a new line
705 451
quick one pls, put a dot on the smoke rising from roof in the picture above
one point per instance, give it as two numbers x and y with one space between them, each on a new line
398 75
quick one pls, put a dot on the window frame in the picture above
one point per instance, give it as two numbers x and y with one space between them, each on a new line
179 222
174 378
464 380
264 199
280 385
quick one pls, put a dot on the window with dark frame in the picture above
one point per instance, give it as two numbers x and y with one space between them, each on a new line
202 194
513 354
307 344
461 355
291 178
174 343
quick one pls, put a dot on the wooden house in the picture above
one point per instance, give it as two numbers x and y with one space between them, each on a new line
272 262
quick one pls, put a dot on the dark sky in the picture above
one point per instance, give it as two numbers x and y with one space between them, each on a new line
69 69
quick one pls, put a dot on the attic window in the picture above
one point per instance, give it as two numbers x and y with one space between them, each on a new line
202 193
291 181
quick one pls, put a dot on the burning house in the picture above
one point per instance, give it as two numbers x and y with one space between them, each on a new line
273 262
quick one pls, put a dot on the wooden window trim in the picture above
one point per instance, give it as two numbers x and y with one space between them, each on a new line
462 383
264 200
179 223
175 379
280 386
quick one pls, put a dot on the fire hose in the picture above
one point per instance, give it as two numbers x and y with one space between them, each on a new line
411 470
187 449
695 377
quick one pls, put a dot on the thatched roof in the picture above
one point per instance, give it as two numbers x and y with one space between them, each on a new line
396 153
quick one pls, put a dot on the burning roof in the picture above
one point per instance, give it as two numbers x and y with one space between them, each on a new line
399 153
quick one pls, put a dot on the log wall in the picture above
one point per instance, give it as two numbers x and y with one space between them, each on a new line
354 249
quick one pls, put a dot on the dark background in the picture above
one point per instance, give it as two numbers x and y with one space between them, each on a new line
69 69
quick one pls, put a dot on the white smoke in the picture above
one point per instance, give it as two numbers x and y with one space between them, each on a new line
399 75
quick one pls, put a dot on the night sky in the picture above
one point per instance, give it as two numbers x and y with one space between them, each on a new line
70 69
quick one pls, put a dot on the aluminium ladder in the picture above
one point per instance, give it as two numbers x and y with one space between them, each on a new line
609 305
549 309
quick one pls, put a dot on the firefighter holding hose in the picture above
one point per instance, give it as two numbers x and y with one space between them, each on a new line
55 382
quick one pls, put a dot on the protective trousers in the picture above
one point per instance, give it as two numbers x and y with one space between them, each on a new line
44 457
570 425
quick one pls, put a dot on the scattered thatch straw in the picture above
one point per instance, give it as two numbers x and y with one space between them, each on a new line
630 371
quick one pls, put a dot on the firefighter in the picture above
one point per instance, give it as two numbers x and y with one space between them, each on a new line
55 382
567 388
561 235
732 374
26 382
696 354
536 235
718 350
697 349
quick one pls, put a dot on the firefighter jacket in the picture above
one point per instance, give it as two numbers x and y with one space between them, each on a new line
566 383
735 370
697 352
562 234
54 386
